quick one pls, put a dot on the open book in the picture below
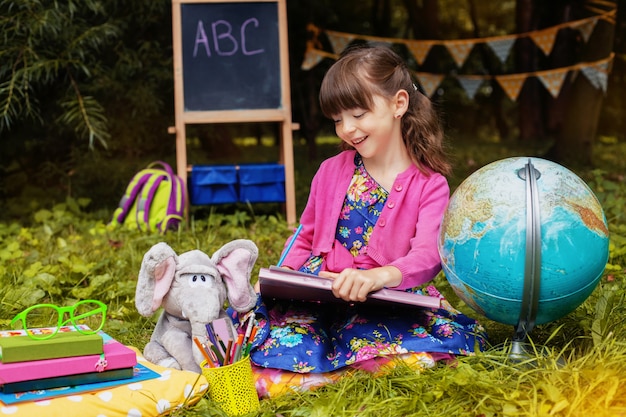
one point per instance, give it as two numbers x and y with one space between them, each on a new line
283 283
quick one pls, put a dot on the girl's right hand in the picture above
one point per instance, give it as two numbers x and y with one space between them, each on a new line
355 284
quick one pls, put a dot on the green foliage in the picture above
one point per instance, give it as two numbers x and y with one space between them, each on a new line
52 45
68 254
82 84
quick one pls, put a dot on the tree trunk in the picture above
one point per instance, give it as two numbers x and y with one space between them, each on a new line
424 20
531 121
491 67
381 18
311 119
612 121
574 141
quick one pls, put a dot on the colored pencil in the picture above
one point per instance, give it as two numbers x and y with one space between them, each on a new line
237 349
288 248
250 340
249 329
227 355
206 356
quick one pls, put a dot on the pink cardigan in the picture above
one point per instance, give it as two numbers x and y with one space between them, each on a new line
405 235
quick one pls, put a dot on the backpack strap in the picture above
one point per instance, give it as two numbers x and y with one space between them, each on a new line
130 195
176 202
144 201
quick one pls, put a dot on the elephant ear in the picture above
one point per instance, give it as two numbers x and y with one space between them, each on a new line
235 261
155 278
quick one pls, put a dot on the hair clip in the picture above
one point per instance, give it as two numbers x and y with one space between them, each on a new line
418 87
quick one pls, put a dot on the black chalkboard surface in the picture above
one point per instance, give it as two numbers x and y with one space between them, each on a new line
231 56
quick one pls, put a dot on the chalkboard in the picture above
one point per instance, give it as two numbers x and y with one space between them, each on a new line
230 56
231 65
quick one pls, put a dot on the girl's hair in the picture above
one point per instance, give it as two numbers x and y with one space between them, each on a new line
364 71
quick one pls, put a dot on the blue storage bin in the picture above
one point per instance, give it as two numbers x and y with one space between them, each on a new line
213 184
261 183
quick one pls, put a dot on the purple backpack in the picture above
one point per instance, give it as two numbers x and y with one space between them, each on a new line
155 200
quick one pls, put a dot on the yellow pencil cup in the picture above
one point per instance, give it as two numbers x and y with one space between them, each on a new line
232 387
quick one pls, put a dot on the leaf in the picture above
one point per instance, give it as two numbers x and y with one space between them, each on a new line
24 296
42 216
599 325
559 406
552 392
509 409
611 385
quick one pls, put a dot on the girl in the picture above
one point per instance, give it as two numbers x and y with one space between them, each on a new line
371 221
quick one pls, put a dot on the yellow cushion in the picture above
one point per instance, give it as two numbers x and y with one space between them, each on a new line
272 383
153 397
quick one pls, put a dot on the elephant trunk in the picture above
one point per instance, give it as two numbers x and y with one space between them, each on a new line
198 331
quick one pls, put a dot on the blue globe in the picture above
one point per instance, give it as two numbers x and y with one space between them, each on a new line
484 236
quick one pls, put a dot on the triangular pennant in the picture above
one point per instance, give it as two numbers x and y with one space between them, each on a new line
502 48
511 84
459 50
386 43
553 81
586 28
544 39
419 49
470 85
430 82
597 74
338 41
311 59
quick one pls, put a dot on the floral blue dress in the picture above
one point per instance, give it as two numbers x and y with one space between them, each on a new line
314 337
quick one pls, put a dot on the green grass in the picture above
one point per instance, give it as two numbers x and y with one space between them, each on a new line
577 368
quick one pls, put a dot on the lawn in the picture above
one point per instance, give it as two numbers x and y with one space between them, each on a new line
576 366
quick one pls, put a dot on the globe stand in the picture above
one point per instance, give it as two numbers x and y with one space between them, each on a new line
532 266
519 262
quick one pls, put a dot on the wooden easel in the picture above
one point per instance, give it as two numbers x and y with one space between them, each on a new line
238 39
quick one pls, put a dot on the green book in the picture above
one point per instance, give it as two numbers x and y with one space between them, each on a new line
61 345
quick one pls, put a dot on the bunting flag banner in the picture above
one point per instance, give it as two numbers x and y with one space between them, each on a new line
311 59
586 28
313 56
553 80
459 50
470 85
339 41
430 82
419 50
502 47
544 39
512 84
597 74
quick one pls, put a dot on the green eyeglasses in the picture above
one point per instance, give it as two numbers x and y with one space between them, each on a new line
86 316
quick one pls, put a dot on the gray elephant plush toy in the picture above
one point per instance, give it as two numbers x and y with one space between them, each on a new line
192 289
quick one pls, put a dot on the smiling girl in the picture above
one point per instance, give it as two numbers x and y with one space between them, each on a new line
371 221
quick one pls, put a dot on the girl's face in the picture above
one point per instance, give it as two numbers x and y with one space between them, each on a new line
370 132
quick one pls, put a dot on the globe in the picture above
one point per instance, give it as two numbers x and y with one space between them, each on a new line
523 231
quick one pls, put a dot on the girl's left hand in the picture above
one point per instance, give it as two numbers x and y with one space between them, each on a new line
355 284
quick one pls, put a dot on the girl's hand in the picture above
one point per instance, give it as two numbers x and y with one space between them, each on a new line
355 284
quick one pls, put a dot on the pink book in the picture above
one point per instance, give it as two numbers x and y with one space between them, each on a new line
283 283
116 355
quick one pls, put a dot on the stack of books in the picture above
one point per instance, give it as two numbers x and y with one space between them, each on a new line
68 363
